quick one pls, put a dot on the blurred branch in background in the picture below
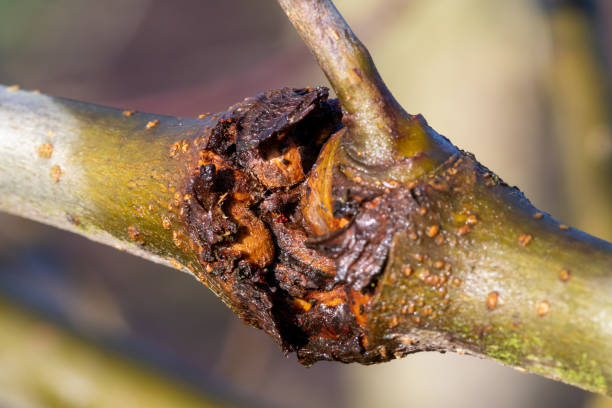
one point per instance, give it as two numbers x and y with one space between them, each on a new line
42 366
580 104
581 110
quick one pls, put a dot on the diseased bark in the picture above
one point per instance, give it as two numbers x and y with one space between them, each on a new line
471 264
355 235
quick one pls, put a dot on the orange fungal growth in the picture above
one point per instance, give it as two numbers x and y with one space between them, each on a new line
45 150
302 304
524 239
492 299
564 275
56 173
433 230
166 222
471 220
543 308
151 124
135 234
464 230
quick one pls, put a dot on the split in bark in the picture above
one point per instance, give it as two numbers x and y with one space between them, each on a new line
354 235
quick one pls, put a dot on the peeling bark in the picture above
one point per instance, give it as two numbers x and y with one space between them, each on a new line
348 230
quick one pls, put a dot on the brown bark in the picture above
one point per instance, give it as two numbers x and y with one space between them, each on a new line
347 230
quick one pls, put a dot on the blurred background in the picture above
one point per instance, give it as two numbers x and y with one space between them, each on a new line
523 84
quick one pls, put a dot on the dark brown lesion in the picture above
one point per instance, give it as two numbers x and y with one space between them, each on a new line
360 249
293 245
244 215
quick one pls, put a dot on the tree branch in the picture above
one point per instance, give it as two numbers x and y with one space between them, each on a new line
104 173
350 237
46 362
472 266
350 70
380 132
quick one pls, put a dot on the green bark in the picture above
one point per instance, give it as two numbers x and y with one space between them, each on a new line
379 132
431 251
499 279
96 171
474 268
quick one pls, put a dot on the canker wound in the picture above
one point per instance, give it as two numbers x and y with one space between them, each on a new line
307 281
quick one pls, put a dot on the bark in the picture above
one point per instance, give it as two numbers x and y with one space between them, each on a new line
96 171
348 230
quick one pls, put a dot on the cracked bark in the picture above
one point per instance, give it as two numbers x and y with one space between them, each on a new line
348 230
